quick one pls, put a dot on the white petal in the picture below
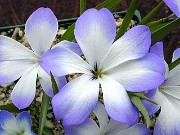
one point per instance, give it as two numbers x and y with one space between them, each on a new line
12 50
24 91
117 102
139 75
172 77
102 116
12 70
95 32
168 121
133 44
115 127
76 100
46 84
62 61
41 29
89 127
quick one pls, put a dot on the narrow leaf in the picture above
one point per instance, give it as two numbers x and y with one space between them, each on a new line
141 95
160 33
54 84
152 13
127 18
43 113
109 4
174 64
82 6
10 108
138 103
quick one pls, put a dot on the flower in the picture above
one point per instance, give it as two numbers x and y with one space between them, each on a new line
19 125
115 67
17 61
174 5
106 126
167 96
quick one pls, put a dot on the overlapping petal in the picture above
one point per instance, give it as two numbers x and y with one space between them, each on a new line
172 78
158 49
5 116
150 107
102 117
89 127
169 119
62 61
117 102
46 83
24 121
11 50
24 91
76 100
174 5
70 45
176 54
137 129
133 44
41 29
95 32
139 75
2 131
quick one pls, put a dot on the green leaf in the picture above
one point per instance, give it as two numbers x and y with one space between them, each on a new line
127 18
160 32
174 64
151 14
138 103
10 108
54 84
43 113
141 95
82 6
109 4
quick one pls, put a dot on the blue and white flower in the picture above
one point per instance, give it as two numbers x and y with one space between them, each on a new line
167 96
115 67
16 61
19 125
106 126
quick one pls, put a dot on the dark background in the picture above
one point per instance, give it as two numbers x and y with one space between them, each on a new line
13 12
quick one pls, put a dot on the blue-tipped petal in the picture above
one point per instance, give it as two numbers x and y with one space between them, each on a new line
176 54
5 116
174 5
76 100
95 32
41 29
70 45
24 121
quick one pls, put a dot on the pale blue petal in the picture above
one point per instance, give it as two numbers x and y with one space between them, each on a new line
176 54
174 5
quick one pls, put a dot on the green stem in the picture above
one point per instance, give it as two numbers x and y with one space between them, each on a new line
43 113
54 84
151 14
127 18
82 6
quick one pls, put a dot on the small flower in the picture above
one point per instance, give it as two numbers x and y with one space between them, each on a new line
115 67
174 5
17 61
106 126
19 125
167 96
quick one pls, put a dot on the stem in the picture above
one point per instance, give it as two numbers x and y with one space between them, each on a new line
43 113
174 64
127 18
82 6
152 13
